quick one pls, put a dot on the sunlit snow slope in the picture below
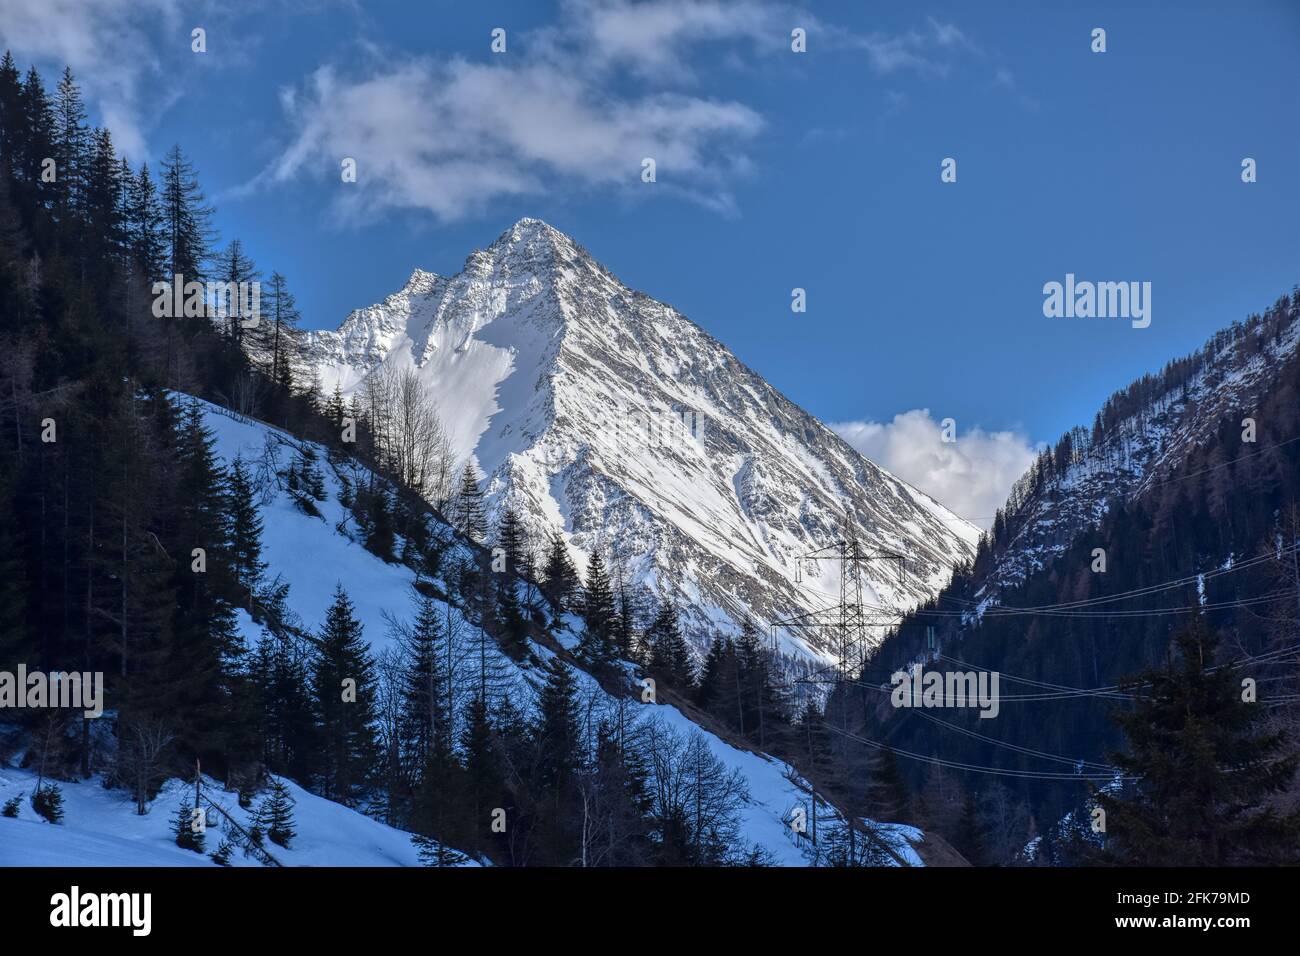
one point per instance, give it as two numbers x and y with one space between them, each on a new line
603 413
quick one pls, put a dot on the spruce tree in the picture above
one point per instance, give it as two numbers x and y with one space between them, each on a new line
484 774
509 607
670 656
513 541
560 577
467 507
425 725
276 815
555 730
598 645
719 689
145 232
186 218
187 829
245 532
344 687
38 119
277 336
234 268
70 145
47 801
1201 768
206 646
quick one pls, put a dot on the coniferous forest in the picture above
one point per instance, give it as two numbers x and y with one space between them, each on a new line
129 547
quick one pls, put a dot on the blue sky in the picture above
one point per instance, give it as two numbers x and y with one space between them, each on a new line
776 170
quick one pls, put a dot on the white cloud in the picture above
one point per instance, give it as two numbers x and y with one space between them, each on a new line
110 46
449 137
972 475
575 104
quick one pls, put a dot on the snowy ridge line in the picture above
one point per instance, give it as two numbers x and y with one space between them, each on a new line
562 385
1126 459
376 588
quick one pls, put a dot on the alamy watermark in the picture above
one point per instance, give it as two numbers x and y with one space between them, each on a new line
947 689
38 690
1101 300
196 299
75 909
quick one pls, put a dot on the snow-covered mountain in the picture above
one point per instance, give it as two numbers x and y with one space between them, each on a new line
102 828
1137 441
601 412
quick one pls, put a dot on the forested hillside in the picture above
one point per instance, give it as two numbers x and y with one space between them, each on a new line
1177 508
134 543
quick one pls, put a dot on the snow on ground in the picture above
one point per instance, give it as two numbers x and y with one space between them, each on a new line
312 555
101 828
306 551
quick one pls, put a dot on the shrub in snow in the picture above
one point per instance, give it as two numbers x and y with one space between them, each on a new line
187 837
221 855
276 813
48 802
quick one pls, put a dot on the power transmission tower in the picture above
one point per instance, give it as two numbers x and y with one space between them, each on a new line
850 616
849 621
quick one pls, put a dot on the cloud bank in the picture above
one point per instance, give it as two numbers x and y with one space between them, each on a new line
972 475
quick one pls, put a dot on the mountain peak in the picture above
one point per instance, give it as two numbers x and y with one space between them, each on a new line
533 243
600 413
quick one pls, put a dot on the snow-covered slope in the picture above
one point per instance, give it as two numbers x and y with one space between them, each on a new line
311 554
603 413
1137 441
101 828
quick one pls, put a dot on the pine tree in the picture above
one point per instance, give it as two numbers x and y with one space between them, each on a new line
13 131
969 836
670 656
145 233
186 218
512 539
484 774
221 855
187 828
625 623
764 711
598 645
891 795
245 532
235 269
47 801
467 507
38 116
101 203
344 686
15 645
426 728
335 410
288 727
556 728
276 815
70 145
558 759
560 576
1204 768
277 336
10 808
206 647
720 690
